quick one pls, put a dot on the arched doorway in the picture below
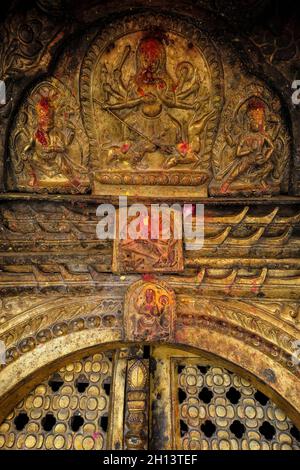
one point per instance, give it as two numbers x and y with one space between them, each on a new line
148 397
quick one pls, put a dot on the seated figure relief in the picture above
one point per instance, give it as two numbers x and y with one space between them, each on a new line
50 151
149 311
254 151
158 108
253 154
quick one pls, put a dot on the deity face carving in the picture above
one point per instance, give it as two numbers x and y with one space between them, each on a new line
254 125
149 295
150 57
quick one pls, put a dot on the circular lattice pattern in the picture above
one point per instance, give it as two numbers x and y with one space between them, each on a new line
69 410
220 410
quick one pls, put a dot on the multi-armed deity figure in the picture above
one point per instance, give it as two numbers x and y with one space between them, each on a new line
147 104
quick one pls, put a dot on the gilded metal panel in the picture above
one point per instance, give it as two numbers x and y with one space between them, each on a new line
69 410
151 105
145 107
218 410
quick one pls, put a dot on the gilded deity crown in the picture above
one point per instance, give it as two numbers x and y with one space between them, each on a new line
256 109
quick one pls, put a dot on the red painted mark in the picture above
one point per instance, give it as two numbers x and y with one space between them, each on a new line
161 84
76 182
41 137
141 91
254 287
257 108
224 188
255 104
95 435
45 116
174 87
124 148
151 49
148 277
183 147
44 103
33 181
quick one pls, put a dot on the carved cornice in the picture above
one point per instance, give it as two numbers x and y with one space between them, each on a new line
283 315
277 353
255 283
267 319
40 227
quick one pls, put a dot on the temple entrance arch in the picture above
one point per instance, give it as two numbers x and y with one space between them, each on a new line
142 396
148 343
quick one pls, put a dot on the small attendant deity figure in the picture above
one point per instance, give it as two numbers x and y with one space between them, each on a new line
164 313
253 155
154 321
47 155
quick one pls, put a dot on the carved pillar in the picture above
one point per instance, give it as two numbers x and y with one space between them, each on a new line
137 400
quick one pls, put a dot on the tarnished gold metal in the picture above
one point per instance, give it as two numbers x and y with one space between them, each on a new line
158 247
137 405
109 401
51 151
218 410
150 312
69 410
156 111
155 107
202 403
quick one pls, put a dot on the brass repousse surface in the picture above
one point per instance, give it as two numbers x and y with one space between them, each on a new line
112 400
218 410
151 108
69 410
153 343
